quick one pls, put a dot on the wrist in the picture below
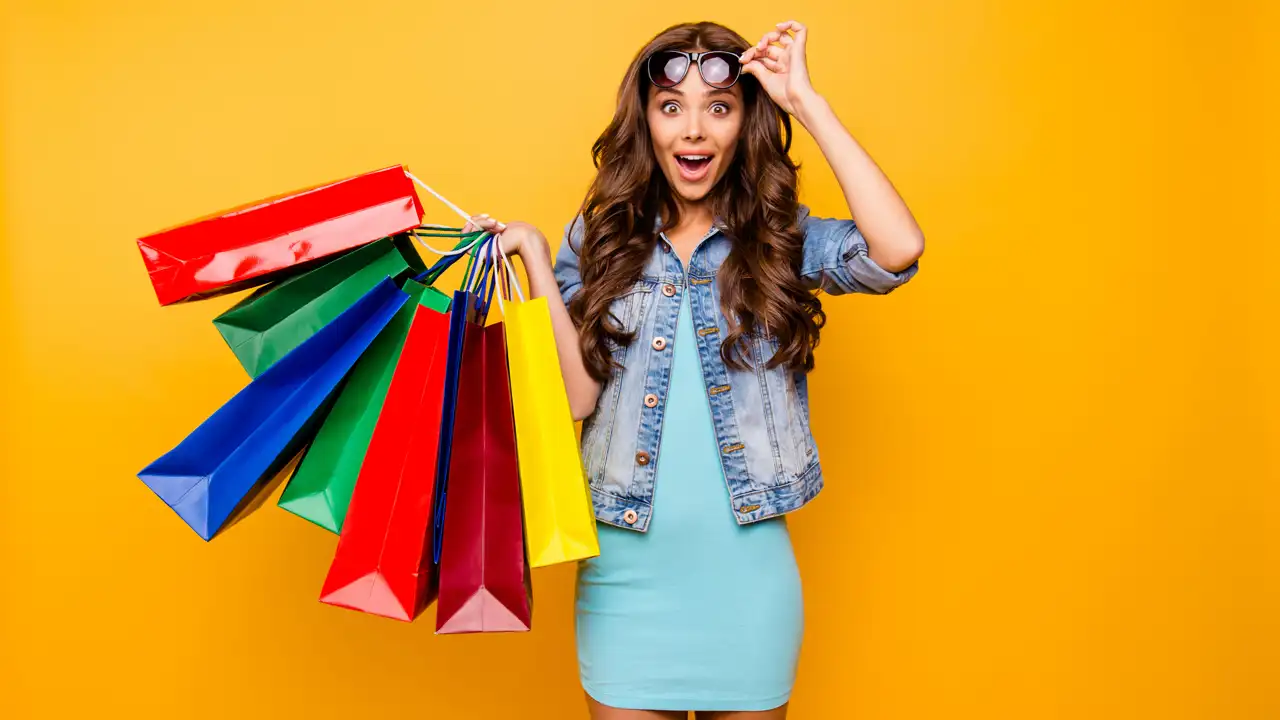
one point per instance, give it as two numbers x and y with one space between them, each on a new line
535 251
808 105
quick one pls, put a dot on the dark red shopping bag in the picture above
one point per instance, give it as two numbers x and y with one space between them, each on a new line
251 244
484 583
383 564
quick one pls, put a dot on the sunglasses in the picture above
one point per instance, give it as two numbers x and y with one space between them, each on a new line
719 68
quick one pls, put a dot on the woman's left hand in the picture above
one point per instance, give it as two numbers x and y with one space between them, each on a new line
778 62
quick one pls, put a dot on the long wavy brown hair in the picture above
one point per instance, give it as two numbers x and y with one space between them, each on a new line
756 199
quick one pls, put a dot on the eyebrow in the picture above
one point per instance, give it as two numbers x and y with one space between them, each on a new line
714 91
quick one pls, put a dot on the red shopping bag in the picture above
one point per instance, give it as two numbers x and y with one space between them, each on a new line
484 570
383 562
247 246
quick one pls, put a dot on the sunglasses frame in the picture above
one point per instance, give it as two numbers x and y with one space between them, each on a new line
695 58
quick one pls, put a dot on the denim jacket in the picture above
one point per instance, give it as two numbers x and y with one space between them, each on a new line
761 416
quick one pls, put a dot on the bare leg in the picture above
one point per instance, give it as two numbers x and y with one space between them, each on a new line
604 712
778 713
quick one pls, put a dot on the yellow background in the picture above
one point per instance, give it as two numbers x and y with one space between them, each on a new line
1052 459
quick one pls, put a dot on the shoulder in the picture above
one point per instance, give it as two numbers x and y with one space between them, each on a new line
566 257
574 231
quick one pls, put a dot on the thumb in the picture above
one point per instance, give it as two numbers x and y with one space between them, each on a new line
757 69
799 50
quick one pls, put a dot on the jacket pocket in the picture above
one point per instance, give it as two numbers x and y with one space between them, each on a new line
798 401
790 420
628 311
595 442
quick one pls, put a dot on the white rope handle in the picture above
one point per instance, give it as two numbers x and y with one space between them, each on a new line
511 271
451 206
496 250
449 253
497 274
438 196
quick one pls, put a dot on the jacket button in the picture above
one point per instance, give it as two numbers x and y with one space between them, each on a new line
650 400
668 290
665 247
630 517
659 343
642 458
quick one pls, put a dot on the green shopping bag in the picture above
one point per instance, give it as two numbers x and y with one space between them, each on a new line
276 318
321 488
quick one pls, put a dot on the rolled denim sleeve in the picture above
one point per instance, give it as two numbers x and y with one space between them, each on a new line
568 278
836 259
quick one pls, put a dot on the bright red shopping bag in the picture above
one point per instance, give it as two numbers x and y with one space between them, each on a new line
484 583
252 244
383 562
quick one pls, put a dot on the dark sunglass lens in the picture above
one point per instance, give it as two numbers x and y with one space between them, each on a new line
720 69
667 69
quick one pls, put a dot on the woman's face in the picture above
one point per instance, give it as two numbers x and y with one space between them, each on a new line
695 130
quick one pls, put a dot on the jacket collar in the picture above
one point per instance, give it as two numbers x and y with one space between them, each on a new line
717 223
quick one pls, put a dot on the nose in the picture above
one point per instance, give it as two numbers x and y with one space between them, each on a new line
693 127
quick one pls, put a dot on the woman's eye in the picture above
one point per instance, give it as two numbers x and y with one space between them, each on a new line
719 109
670 107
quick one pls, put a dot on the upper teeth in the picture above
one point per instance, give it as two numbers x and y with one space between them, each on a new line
696 157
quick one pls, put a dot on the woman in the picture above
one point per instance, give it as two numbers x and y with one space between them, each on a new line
685 318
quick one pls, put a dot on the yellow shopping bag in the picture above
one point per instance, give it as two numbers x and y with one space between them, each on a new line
560 524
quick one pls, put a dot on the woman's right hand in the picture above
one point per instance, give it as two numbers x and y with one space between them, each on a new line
525 240
517 238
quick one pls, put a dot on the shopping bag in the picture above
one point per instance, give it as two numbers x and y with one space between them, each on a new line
484 574
467 308
266 325
216 468
258 242
320 490
383 562
560 522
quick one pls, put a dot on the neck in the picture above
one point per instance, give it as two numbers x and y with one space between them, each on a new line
694 214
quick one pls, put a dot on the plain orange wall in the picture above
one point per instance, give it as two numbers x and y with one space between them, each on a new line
1052 459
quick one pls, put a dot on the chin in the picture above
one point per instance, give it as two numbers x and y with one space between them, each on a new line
691 192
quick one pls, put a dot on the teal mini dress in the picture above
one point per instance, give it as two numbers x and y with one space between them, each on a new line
699 612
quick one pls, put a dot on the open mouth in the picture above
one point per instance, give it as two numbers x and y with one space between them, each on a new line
693 167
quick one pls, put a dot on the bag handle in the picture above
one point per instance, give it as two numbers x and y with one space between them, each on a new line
486 279
451 206
433 273
507 271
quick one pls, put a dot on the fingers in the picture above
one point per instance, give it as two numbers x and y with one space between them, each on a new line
800 33
791 25
775 42
486 223
773 65
770 37
757 69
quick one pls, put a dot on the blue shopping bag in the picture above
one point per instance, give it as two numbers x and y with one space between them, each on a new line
241 446
469 308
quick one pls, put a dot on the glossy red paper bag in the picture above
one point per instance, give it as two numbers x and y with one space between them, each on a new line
484 571
251 244
383 562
